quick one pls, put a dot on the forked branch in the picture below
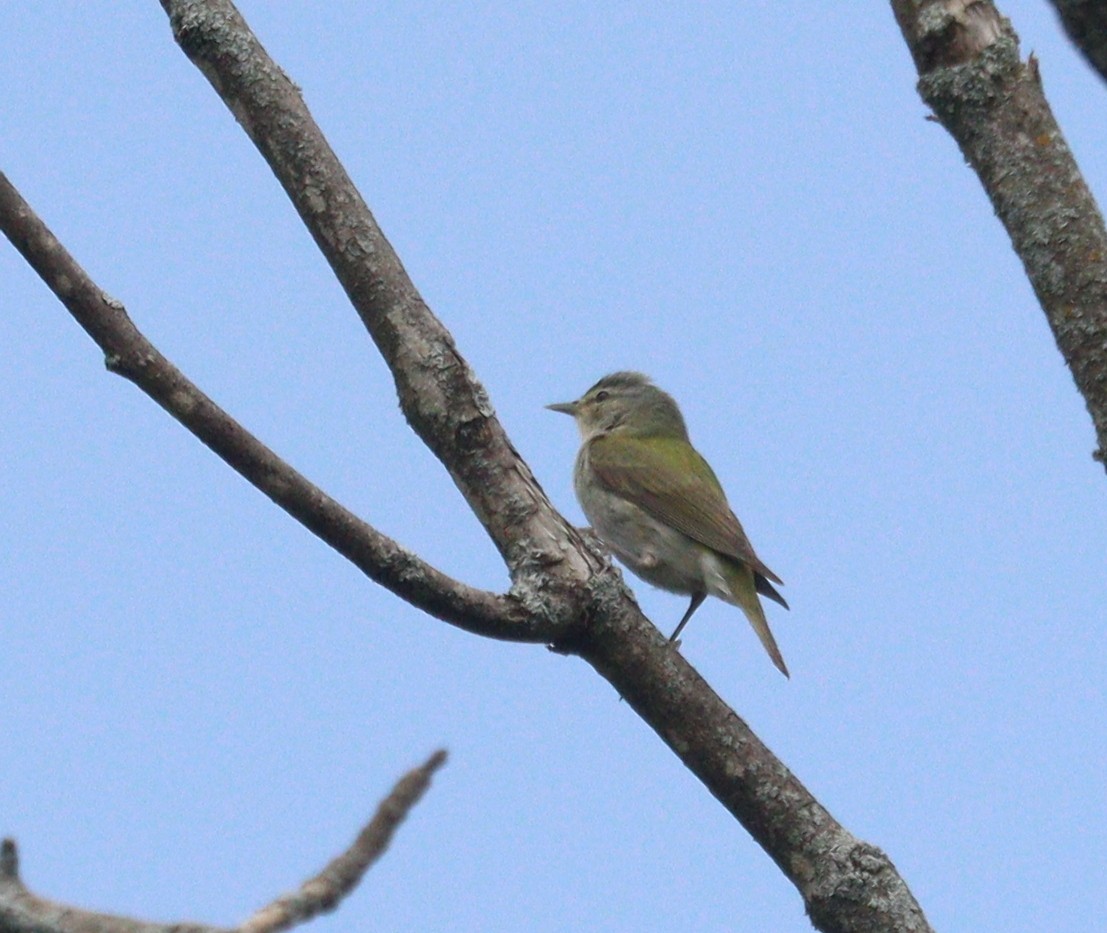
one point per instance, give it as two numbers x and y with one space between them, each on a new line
128 353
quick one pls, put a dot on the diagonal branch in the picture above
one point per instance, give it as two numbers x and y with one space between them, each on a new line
439 394
129 353
967 56
323 893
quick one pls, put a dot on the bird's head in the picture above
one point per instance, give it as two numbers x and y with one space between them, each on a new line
625 402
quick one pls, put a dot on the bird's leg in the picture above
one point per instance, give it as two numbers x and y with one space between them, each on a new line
697 599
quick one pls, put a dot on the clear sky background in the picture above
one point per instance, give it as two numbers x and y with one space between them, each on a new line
200 703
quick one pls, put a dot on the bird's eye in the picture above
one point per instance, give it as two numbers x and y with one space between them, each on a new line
602 395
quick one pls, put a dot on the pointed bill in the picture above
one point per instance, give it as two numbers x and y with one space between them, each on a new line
566 408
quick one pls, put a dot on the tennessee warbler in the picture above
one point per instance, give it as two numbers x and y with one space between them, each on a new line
657 504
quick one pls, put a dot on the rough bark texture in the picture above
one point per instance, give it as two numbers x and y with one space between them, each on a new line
992 103
1086 23
846 884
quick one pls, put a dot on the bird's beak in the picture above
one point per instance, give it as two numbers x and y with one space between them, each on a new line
566 408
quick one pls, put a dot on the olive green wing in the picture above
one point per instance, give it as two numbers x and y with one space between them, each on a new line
671 481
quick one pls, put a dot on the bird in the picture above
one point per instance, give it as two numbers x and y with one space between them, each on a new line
657 504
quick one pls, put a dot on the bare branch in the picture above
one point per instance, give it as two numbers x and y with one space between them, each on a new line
129 353
967 56
439 394
323 892
23 912
1086 23
846 884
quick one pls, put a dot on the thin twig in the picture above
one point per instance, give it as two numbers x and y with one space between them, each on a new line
24 912
324 892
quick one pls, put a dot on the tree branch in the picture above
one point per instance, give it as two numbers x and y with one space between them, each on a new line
846 884
128 353
323 892
439 394
23 912
1086 23
967 56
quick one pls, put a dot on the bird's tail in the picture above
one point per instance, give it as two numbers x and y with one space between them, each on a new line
742 586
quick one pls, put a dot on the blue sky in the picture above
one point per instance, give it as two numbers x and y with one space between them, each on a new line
202 702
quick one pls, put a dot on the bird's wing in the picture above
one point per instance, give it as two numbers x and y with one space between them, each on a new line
658 475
